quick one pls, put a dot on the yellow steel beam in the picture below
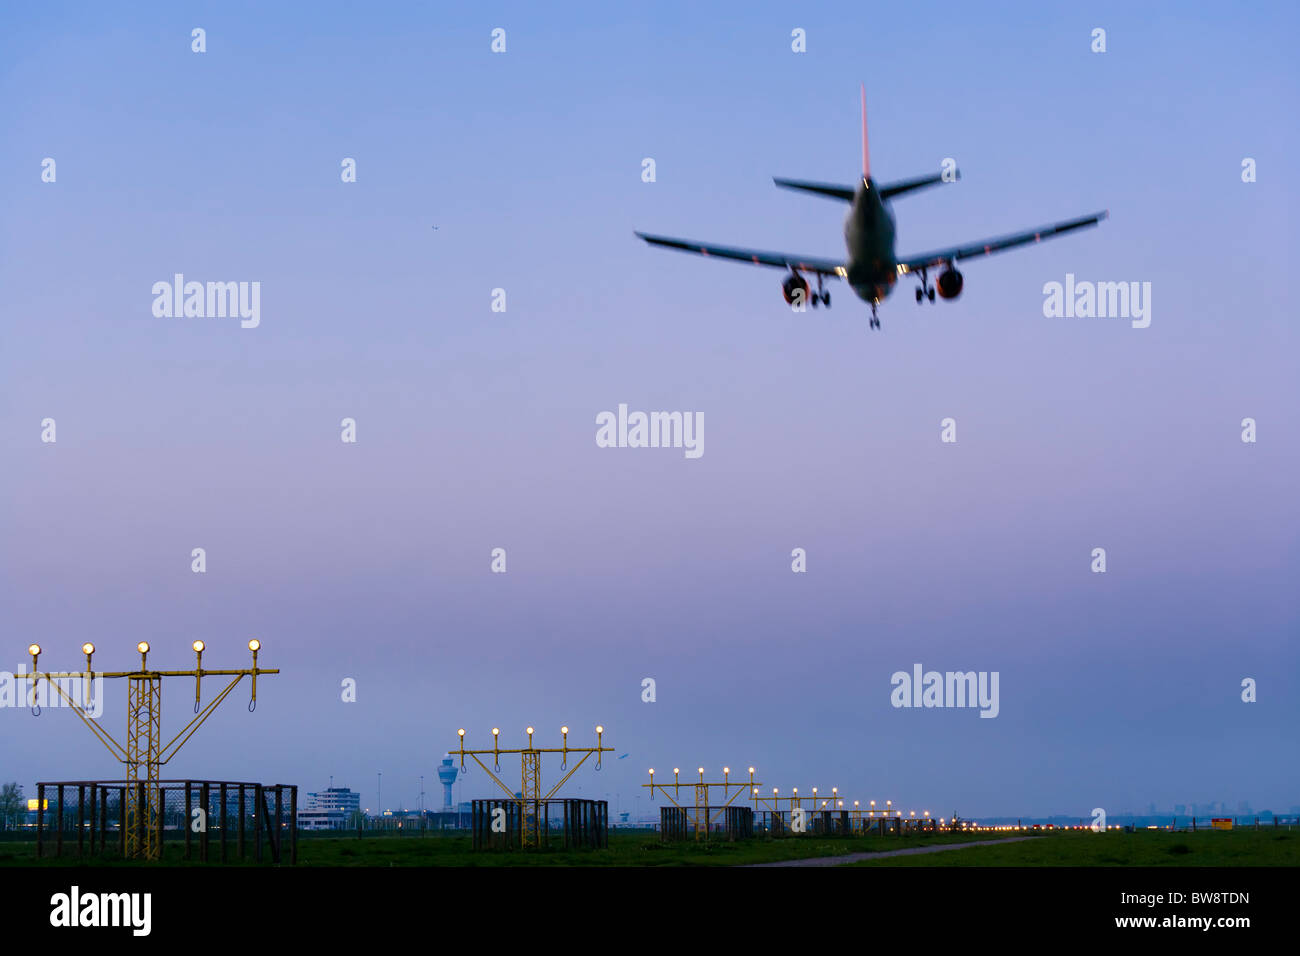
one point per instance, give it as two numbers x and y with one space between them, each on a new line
474 754
195 673
522 750
695 783
509 792
115 748
551 793
724 806
672 799
164 755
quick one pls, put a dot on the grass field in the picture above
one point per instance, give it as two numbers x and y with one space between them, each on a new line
634 848
1264 847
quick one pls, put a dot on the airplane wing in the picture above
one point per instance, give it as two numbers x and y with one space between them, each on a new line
987 247
782 260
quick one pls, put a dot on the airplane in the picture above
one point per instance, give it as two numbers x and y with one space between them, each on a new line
872 267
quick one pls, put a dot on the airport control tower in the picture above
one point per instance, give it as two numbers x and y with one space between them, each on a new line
447 774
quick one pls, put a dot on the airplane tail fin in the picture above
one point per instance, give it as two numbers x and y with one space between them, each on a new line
887 191
866 155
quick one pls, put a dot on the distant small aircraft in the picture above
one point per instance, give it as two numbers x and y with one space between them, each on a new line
872 268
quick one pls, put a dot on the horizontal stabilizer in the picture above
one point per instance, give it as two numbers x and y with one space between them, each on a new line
822 189
889 190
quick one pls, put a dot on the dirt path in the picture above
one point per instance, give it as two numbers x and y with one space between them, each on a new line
855 857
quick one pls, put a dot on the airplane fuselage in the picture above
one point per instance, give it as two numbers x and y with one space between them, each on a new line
871 266
869 238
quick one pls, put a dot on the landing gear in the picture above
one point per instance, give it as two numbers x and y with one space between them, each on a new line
926 291
820 294
875 321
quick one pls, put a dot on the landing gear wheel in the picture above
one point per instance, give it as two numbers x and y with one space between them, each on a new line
826 299
931 294
813 301
919 294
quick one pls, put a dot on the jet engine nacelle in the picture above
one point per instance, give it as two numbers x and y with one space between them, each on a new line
949 284
793 284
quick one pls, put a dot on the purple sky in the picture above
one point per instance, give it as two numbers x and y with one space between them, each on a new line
476 429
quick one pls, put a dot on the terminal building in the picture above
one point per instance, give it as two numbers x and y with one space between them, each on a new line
330 809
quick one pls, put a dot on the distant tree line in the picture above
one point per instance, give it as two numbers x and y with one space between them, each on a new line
12 806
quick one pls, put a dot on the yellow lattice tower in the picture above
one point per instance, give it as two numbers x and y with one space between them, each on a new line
530 772
531 762
701 806
144 753
143 730
702 819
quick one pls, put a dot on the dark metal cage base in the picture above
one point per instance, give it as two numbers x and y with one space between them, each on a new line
249 812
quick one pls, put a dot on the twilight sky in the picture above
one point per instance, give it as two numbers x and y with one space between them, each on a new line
476 429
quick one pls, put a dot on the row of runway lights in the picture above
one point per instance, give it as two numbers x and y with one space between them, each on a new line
143 647
1048 826
839 804
888 812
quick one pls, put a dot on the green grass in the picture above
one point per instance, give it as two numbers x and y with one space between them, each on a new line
1264 847
626 848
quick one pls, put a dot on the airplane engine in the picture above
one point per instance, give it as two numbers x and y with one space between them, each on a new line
949 284
792 283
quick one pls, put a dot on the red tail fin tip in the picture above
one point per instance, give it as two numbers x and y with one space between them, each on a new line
866 156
